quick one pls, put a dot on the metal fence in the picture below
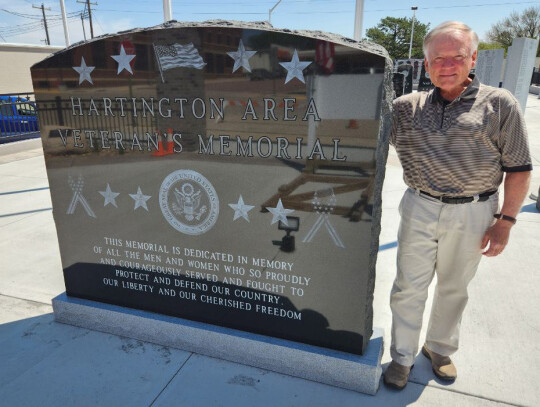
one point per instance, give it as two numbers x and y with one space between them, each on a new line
59 115
18 117
21 117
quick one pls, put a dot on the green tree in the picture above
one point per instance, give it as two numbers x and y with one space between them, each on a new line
490 45
394 34
524 24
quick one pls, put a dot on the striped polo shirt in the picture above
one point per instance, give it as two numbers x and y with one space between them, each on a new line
459 148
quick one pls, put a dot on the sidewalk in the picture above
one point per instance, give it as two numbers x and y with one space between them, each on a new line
43 363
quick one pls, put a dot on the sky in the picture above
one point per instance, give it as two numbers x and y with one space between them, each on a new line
20 23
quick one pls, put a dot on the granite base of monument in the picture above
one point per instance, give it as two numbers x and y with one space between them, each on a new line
335 368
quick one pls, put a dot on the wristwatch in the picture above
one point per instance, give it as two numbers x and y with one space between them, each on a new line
505 217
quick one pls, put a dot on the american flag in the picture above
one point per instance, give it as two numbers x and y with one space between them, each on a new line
176 55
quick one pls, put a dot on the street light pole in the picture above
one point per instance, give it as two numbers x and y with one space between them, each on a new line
412 30
272 10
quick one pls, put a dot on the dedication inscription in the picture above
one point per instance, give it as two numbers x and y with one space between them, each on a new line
225 174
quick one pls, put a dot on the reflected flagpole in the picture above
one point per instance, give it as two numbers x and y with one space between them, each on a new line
159 63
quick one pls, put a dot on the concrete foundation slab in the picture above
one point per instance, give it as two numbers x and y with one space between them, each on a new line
353 372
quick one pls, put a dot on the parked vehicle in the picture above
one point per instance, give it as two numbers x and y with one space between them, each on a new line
18 118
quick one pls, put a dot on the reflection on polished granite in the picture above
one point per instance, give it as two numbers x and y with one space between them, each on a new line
225 175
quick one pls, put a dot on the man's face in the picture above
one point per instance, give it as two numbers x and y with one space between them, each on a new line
449 62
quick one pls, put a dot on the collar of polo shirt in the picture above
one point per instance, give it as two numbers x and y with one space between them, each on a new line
470 91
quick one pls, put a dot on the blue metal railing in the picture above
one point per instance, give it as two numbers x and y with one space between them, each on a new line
18 117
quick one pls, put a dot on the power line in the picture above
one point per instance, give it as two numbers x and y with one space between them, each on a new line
317 11
37 23
16 33
270 2
29 16
37 16
460 6
195 13
243 3
55 19
395 9
13 31
258 3
51 20
133 11
87 2
98 22
240 3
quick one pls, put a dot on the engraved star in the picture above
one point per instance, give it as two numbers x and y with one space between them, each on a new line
140 199
110 196
240 209
241 57
295 68
279 213
84 72
123 60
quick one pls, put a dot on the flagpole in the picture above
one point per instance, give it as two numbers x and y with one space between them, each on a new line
64 21
358 20
167 11
159 63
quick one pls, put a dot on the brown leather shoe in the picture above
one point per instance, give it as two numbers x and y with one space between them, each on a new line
442 366
397 375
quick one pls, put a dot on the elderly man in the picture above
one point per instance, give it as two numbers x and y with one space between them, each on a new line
455 143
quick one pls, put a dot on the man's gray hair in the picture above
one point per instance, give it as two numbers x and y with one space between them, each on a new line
450 27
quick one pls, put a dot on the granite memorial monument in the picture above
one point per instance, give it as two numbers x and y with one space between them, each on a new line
210 173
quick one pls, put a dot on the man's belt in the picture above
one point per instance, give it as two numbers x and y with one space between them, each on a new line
461 199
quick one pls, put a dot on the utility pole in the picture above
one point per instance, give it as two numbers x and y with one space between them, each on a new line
42 7
87 2
358 20
412 30
83 30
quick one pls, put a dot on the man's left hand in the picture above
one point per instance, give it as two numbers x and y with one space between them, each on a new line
497 238
516 185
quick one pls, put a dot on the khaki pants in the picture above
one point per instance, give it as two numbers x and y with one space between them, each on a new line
434 238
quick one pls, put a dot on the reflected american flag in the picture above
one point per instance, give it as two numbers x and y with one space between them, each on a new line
176 55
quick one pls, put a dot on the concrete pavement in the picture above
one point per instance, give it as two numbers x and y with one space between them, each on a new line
44 363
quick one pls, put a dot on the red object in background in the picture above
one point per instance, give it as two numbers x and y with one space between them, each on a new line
165 143
130 50
284 54
324 55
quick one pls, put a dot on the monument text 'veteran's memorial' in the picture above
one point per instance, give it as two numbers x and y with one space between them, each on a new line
220 173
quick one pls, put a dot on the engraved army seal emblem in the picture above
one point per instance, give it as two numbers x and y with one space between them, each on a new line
189 202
